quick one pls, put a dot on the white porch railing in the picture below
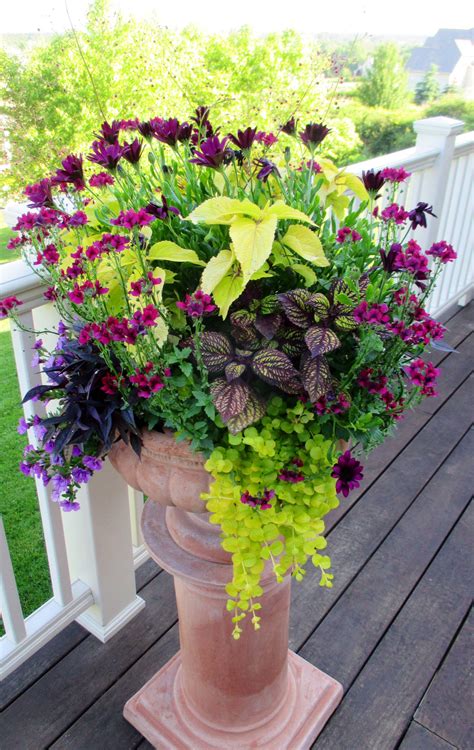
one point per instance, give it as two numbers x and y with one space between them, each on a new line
92 553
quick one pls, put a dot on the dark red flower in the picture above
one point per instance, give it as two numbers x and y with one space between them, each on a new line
314 134
289 127
373 182
348 472
109 132
40 194
418 214
132 151
106 154
244 138
212 153
71 173
267 168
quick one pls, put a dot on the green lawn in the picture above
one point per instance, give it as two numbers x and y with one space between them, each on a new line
18 503
5 234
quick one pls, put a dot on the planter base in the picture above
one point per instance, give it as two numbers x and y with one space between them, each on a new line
162 714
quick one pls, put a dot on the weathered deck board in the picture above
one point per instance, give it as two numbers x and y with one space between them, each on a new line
390 628
420 738
379 705
449 700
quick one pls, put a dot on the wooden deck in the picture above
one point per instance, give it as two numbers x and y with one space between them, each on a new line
396 629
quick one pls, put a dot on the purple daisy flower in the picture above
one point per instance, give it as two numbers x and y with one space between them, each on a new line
212 154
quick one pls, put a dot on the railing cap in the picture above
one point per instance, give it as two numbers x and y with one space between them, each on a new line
442 126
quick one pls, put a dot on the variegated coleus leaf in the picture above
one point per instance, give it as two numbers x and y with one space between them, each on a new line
269 304
234 370
344 299
291 341
216 351
253 410
345 322
321 340
320 305
243 329
316 377
297 307
268 325
275 368
230 399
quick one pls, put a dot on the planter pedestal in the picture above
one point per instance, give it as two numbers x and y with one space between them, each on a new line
218 692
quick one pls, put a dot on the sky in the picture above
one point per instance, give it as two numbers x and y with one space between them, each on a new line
371 17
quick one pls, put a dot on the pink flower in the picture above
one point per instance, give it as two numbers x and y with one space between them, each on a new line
442 251
197 305
376 314
131 218
395 175
7 304
423 375
51 254
101 179
395 213
268 139
347 234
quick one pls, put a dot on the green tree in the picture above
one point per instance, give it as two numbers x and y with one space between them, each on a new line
428 88
385 85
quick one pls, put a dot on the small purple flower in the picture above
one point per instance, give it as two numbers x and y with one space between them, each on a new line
348 472
388 259
76 451
38 428
62 328
25 469
418 214
68 505
79 219
81 476
197 305
93 463
49 446
60 485
22 426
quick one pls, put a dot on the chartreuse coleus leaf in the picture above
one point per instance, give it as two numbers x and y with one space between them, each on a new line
253 240
223 210
170 251
305 243
216 269
354 184
228 290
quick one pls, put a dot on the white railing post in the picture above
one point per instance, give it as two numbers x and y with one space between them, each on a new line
436 133
10 606
99 546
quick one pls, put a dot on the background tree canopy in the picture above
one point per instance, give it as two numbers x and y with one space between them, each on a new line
52 96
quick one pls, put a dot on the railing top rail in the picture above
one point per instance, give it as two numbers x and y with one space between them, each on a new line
17 278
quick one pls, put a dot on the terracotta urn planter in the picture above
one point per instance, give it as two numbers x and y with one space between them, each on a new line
216 692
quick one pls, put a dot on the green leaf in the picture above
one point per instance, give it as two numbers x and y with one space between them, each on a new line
223 210
215 270
321 340
253 242
306 272
227 291
305 243
356 185
167 250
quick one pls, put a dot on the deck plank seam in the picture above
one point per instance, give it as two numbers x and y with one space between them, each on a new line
356 575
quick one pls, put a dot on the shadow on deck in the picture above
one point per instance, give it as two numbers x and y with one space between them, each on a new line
395 629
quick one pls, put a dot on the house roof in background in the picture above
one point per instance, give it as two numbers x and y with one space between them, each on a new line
440 50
